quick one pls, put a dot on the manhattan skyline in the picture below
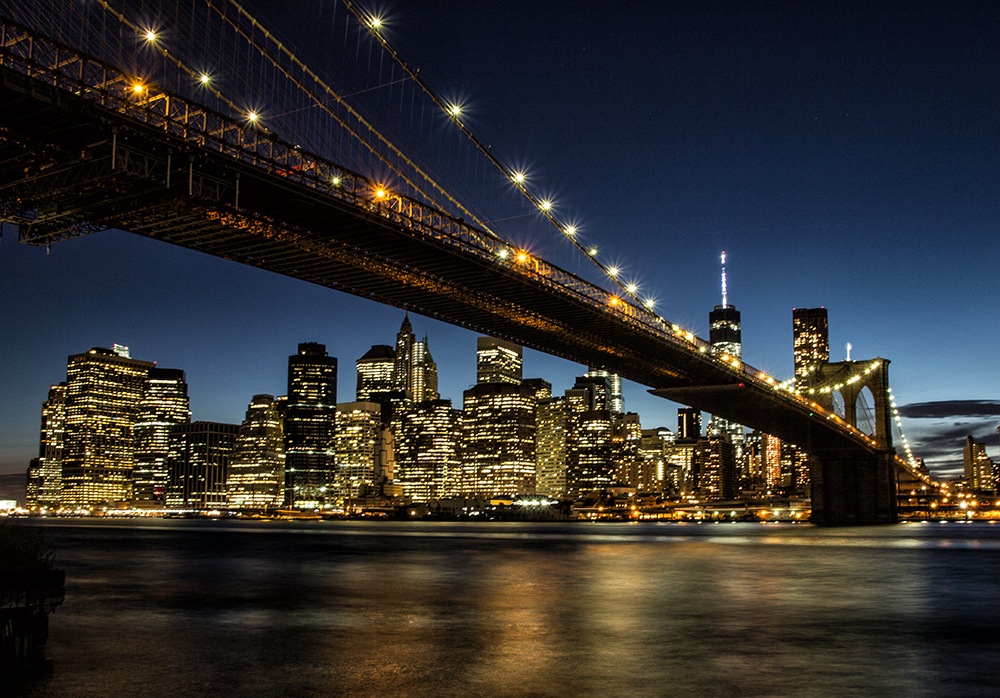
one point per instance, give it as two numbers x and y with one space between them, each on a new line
843 157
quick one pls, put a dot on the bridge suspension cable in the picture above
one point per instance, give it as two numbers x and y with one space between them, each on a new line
341 101
899 426
518 179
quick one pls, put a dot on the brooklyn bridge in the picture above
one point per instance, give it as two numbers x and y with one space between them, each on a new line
108 123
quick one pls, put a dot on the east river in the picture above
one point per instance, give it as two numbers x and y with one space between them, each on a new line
271 608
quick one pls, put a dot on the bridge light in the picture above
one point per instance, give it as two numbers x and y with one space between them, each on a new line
592 251
375 23
380 193
649 303
613 271
454 110
253 116
204 78
335 181
632 288
545 205
570 230
518 177
522 257
502 254
138 88
150 35
614 301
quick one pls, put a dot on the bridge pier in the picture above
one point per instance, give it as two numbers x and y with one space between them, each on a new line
852 490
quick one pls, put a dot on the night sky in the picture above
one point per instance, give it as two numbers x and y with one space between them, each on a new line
842 155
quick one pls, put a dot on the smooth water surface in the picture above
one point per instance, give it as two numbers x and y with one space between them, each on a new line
238 608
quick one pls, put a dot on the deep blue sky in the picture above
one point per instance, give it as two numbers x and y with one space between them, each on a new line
843 156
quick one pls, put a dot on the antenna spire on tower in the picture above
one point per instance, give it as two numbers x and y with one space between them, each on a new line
725 301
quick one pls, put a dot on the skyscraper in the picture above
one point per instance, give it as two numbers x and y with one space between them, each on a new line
375 371
498 361
404 355
414 370
616 402
356 440
428 445
45 472
164 404
589 430
200 455
257 471
423 373
688 423
499 429
725 339
715 465
310 423
810 334
978 467
550 447
104 388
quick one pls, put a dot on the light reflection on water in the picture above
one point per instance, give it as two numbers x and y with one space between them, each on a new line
177 608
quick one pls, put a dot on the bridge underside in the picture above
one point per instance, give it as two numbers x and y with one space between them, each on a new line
69 167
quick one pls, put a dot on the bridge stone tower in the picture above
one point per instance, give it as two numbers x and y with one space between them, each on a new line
849 378
845 487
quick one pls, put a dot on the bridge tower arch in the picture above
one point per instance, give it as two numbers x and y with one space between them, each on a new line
849 379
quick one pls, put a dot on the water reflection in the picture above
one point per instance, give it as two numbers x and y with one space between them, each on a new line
328 609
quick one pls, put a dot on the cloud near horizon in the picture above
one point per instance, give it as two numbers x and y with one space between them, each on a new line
945 409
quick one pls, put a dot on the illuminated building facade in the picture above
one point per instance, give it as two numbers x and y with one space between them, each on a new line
45 472
257 471
423 373
375 371
688 423
629 467
715 464
550 447
428 451
104 388
616 401
498 361
310 420
164 404
592 464
414 370
811 337
771 459
403 356
499 439
750 469
356 441
653 445
679 477
794 469
590 424
200 456
979 474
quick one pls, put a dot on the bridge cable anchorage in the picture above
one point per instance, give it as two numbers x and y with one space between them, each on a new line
517 178
340 100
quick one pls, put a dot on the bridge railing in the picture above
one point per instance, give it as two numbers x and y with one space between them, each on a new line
51 62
